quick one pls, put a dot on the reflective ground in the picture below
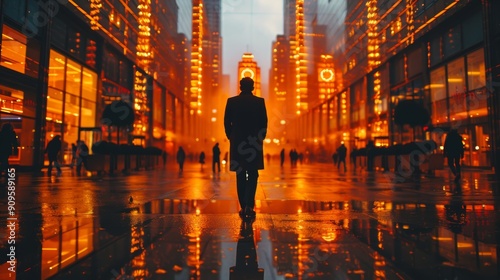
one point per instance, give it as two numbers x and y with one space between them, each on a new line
312 222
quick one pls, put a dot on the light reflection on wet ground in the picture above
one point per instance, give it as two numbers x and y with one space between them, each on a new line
311 224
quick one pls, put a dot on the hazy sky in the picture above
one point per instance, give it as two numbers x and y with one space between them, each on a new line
249 26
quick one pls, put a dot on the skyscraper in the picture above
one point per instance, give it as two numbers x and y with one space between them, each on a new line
248 67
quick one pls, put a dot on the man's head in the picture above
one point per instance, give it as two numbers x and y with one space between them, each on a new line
246 84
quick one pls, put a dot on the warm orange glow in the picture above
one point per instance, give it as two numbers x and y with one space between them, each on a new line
144 53
95 6
196 56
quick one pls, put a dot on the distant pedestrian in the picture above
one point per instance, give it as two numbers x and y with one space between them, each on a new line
370 152
245 118
353 155
181 157
52 150
83 153
216 157
164 157
342 153
74 157
335 158
202 159
282 157
454 151
8 146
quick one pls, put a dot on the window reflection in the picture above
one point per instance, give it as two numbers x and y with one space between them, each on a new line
13 50
71 100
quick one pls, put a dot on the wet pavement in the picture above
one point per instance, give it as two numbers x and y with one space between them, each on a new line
313 222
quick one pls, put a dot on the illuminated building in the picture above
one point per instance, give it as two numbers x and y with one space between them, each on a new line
206 47
94 54
387 51
281 90
248 67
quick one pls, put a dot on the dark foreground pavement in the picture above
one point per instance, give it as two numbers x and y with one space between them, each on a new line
312 222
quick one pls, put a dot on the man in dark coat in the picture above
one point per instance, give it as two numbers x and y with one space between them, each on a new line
216 158
245 124
8 146
53 149
454 151
342 153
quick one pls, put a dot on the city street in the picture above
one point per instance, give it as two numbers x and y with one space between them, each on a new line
313 222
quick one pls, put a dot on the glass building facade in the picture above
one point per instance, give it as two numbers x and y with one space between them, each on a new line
427 51
62 62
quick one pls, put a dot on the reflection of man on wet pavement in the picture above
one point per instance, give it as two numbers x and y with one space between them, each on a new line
454 151
246 256
456 213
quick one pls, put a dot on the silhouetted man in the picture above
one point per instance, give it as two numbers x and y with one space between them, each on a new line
53 149
454 151
246 256
8 146
282 157
342 153
181 156
245 124
216 157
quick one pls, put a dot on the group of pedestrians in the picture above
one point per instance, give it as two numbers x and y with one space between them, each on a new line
216 161
79 154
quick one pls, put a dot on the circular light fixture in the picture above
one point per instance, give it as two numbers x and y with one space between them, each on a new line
326 75
247 72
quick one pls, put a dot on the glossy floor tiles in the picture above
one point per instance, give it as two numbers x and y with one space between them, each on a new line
312 222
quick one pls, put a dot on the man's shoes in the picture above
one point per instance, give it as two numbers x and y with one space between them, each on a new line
247 213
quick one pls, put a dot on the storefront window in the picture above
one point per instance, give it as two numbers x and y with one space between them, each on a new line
11 100
72 90
89 88
71 114
457 90
438 96
54 105
56 70
88 113
13 50
476 70
476 77
73 77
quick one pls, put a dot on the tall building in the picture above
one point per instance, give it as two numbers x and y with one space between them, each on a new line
56 78
431 53
247 67
206 70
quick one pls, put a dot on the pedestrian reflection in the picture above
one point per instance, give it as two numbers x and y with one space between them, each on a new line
455 212
246 267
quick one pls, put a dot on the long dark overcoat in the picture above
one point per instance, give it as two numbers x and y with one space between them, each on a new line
245 124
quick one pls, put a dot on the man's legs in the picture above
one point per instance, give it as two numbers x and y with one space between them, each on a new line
4 165
49 170
253 175
241 181
451 164
458 167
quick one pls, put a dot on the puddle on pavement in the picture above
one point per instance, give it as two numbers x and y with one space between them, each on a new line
205 239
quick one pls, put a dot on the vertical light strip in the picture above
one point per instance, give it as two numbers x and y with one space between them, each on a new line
300 58
196 58
410 21
373 42
95 7
143 40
